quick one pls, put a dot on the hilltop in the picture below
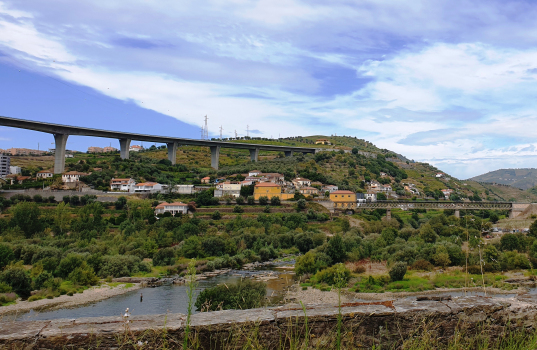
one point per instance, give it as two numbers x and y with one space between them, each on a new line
524 178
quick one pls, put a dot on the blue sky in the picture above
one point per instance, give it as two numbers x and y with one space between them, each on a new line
452 83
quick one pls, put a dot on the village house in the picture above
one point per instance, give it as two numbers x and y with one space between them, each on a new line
370 196
228 189
173 208
124 185
44 174
374 185
254 173
206 180
343 199
438 175
148 187
184 189
273 177
247 183
72 176
309 191
447 193
330 188
385 188
17 170
300 181
269 190
135 148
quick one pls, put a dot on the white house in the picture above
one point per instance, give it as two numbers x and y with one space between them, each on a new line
173 208
254 173
135 148
72 176
300 181
228 189
147 187
439 175
370 196
447 193
44 174
125 185
330 188
16 170
273 177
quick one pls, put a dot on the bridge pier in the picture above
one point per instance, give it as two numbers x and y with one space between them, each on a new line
124 145
254 154
172 151
288 153
457 213
388 214
215 155
59 152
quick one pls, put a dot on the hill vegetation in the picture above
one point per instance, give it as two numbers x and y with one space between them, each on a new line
518 178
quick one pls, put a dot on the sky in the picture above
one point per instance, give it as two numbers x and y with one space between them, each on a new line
452 83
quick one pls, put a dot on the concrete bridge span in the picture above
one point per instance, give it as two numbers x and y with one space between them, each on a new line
62 132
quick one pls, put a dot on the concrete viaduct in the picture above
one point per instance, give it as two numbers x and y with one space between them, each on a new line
62 132
514 208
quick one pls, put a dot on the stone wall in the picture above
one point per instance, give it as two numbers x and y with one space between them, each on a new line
386 323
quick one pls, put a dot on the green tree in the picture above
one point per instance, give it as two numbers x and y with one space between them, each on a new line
263 200
301 204
62 217
381 196
428 234
251 200
275 201
336 249
19 280
216 215
6 255
494 218
398 271
533 229
25 215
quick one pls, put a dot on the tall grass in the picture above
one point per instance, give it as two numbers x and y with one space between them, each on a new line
191 287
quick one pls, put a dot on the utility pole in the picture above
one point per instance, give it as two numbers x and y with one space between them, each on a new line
221 132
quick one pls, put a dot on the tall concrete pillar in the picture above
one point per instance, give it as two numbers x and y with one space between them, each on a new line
288 153
457 213
172 151
388 214
254 154
215 155
124 145
59 152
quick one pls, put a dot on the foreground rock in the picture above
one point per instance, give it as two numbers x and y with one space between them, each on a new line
384 322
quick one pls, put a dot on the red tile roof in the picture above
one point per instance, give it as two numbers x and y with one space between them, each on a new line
343 192
267 184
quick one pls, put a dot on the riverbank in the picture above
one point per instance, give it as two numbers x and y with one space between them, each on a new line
312 295
90 295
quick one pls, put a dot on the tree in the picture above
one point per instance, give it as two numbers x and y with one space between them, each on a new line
427 233
216 215
510 242
301 204
19 280
494 218
62 217
251 200
238 209
336 249
263 200
239 200
26 217
164 257
398 271
381 196
6 255
275 200
533 229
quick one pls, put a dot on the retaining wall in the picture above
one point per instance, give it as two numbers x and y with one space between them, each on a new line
369 323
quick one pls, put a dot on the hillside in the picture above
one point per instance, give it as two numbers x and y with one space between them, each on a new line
349 163
519 178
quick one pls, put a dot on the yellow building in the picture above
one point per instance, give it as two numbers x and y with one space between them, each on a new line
269 190
322 142
343 199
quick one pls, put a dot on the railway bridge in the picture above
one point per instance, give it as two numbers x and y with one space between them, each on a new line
514 208
62 132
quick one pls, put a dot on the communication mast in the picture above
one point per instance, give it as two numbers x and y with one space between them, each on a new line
202 133
221 132
236 135
206 129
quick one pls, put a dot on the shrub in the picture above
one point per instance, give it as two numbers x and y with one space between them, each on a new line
5 288
7 298
238 209
41 279
398 271
18 279
266 210
474 270
275 200
337 275
68 264
250 200
239 200
357 268
6 255
422 265
263 200
83 275
244 294
119 265
216 215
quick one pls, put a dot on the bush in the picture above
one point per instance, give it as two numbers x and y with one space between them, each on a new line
337 275
238 209
398 271
474 270
358 269
5 288
17 278
266 210
244 294
119 265
83 275
6 255
7 298
216 215
422 265
164 257
263 200
239 200
41 279
275 201
250 200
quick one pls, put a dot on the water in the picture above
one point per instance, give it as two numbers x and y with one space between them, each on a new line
165 299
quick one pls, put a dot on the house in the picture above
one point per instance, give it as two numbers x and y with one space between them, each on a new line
438 175
300 181
370 196
135 148
94 149
125 185
447 193
72 176
173 208
386 188
252 178
17 170
44 174
247 183
254 173
269 190
308 191
206 180
184 189
322 142
343 199
330 188
5 162
383 174
148 187
374 185
109 149
273 177
228 189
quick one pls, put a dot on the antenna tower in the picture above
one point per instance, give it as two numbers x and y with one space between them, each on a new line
236 135
202 133
221 132
206 129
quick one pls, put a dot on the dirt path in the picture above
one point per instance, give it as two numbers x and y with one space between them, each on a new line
64 301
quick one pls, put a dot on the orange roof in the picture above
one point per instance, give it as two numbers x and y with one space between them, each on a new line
146 184
175 204
206 178
44 171
308 188
267 184
343 192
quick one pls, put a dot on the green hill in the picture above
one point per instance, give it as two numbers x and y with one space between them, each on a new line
519 178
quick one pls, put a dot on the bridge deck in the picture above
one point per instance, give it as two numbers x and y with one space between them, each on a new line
435 205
